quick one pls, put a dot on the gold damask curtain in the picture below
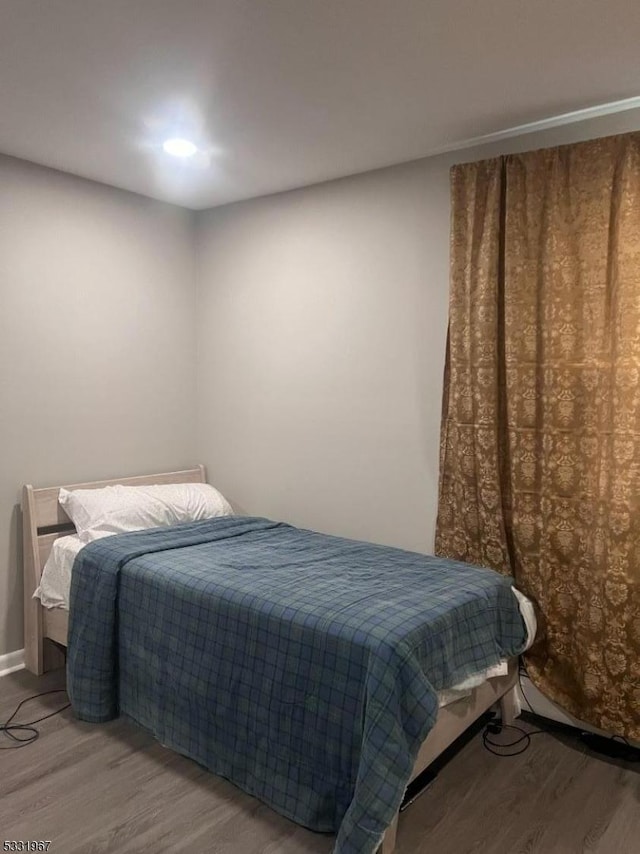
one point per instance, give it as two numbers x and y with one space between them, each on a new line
540 447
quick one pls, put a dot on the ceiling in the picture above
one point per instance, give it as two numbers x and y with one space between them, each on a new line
283 93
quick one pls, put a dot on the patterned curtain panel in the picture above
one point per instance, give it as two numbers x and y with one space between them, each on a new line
540 449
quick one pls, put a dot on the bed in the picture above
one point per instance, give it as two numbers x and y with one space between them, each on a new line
47 630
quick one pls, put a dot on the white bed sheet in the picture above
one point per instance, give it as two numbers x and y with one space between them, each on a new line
55 585
55 582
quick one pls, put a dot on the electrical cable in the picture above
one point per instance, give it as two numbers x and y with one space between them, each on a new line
633 753
495 728
11 729
612 746
522 671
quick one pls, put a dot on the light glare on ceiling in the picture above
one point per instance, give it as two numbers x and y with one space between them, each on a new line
180 147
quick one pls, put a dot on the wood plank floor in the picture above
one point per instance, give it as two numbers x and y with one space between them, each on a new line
92 789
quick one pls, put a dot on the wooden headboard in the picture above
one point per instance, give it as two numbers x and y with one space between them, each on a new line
43 521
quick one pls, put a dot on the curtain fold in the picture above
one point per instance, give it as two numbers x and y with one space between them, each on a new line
540 447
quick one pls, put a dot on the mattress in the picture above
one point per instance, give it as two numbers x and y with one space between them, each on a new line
55 586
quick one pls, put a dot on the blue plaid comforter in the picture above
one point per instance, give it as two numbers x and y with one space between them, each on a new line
300 666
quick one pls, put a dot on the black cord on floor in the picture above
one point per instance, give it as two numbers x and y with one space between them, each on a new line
494 727
614 747
506 748
26 733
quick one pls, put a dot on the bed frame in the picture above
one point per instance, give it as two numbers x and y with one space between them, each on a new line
44 520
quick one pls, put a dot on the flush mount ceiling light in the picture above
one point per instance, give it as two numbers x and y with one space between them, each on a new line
179 147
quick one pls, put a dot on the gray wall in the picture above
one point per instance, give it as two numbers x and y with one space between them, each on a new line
321 322
322 318
96 343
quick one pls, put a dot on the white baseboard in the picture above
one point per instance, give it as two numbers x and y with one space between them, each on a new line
11 661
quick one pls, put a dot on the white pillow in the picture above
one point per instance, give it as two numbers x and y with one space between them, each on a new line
119 509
